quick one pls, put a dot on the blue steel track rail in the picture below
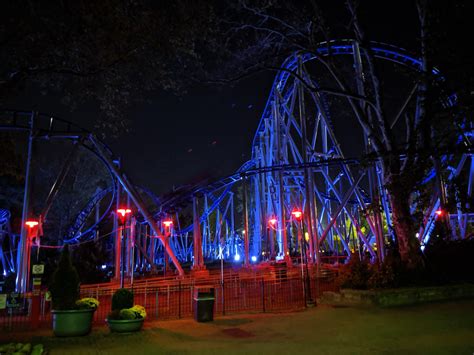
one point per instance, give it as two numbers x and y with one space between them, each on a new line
340 47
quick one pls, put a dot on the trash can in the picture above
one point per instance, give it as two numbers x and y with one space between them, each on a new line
204 304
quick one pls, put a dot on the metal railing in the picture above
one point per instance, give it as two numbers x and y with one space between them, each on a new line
173 299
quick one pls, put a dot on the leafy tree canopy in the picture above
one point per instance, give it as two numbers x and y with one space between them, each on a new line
110 52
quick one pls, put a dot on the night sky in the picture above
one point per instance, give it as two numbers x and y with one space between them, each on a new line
207 132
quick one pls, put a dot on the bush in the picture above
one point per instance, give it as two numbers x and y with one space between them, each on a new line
139 311
387 274
114 315
127 313
122 299
65 286
450 260
87 303
136 312
355 274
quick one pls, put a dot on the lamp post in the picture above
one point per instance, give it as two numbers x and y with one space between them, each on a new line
31 232
168 223
122 214
272 225
298 216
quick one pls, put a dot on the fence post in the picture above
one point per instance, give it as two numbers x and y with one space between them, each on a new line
35 309
156 304
263 296
223 298
146 291
179 299
168 298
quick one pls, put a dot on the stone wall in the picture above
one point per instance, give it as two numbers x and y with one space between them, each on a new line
397 297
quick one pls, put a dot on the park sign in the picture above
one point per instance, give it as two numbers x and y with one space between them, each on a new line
38 269
13 300
3 301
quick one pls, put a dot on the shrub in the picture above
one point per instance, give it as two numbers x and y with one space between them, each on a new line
127 313
115 315
135 312
139 311
450 260
122 299
385 275
65 285
87 303
355 274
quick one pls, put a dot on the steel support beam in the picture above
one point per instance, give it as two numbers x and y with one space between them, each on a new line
246 223
23 259
198 262
130 189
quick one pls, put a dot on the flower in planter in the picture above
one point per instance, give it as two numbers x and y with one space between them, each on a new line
128 314
88 302
139 311
123 308
136 312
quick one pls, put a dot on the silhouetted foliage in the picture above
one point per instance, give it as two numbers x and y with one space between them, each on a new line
122 299
388 273
65 286
449 260
89 259
108 52
355 274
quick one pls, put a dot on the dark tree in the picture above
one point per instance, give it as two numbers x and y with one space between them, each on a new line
108 52
65 285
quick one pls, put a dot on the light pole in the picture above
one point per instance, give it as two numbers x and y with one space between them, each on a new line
122 214
31 233
272 225
167 224
298 216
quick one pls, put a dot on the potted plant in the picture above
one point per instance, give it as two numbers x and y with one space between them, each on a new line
125 317
71 316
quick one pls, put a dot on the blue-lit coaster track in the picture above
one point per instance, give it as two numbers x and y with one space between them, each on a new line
298 164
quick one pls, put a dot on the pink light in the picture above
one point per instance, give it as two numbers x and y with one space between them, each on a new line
31 224
272 221
124 211
298 215
439 213
167 223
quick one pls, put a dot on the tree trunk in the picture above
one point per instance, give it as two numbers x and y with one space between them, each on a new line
408 245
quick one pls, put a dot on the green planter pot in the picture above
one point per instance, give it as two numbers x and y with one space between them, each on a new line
125 325
72 323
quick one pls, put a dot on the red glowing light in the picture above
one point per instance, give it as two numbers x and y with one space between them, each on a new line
439 213
31 224
124 211
298 215
272 221
167 223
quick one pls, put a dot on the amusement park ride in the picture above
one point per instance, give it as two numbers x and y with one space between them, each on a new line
301 194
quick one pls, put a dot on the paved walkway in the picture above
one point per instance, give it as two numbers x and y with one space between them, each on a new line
443 328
